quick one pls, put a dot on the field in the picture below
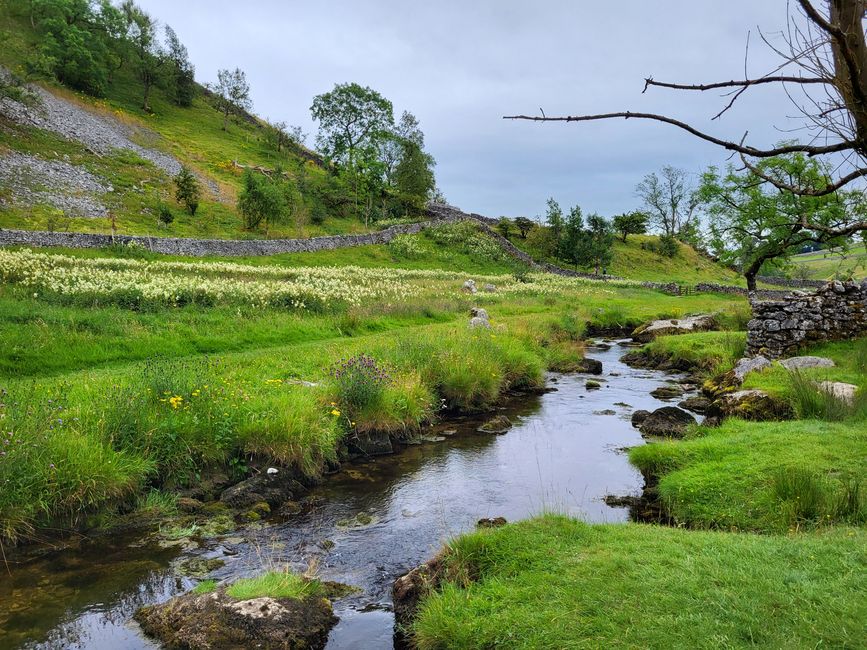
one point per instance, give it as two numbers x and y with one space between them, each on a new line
827 265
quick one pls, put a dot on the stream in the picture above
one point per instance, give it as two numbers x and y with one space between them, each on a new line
373 521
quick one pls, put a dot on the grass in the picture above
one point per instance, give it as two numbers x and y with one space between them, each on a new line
734 477
827 265
713 352
553 582
205 587
274 584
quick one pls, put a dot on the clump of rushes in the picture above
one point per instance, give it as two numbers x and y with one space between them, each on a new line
360 383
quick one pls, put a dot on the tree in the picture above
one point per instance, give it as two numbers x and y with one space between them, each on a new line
188 191
261 200
824 55
350 117
524 225
630 223
669 200
148 56
407 130
754 224
554 219
233 93
73 47
600 240
571 241
504 225
182 82
277 135
414 176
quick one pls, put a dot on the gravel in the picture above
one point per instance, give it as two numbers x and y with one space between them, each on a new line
31 181
100 134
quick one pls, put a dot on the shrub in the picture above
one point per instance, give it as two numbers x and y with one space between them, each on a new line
188 191
165 215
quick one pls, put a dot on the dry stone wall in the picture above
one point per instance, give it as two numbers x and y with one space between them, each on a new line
779 328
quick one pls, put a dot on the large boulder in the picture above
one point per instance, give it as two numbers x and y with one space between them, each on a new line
746 365
273 486
668 421
696 404
685 325
799 363
590 366
211 621
638 417
756 405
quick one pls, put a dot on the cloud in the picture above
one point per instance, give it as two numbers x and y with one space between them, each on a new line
460 66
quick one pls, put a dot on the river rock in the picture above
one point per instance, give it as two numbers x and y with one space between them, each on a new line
408 590
592 384
272 488
215 620
697 323
666 421
488 522
696 404
590 366
756 405
370 443
497 424
470 286
669 391
799 363
638 417
842 391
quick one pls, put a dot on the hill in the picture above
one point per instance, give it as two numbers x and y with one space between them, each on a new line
827 265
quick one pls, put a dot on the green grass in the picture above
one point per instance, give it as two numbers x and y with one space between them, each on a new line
205 587
553 582
827 265
274 584
713 352
730 477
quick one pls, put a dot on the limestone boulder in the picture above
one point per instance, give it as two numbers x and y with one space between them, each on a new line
800 363
667 327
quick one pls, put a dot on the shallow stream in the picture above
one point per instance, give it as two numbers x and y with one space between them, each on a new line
375 519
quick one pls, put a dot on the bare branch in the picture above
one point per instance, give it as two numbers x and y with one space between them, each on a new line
811 150
745 83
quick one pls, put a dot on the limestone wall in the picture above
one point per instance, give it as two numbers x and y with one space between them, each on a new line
836 311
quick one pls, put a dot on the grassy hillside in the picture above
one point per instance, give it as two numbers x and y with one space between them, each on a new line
194 136
827 265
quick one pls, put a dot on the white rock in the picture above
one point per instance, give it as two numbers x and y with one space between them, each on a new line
797 363
750 364
842 391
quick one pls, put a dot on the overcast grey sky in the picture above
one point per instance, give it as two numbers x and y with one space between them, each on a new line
460 66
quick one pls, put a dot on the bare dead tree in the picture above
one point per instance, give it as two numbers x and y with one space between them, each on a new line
823 70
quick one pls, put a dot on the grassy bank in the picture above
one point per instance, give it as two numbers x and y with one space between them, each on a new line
553 582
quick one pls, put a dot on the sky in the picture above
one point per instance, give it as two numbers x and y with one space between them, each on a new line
459 66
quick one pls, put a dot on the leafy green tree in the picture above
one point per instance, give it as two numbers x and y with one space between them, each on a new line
598 251
554 219
181 77
524 226
261 200
73 47
669 200
233 93
350 117
630 223
188 190
504 225
147 54
393 146
414 176
572 243
753 223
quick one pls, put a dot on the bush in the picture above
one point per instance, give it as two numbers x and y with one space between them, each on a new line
165 215
188 191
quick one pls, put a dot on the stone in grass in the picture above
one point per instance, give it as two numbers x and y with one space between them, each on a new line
300 617
497 424
799 363
669 391
592 384
746 365
668 421
755 405
840 390
488 522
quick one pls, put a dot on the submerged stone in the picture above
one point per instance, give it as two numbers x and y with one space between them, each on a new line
497 424
272 488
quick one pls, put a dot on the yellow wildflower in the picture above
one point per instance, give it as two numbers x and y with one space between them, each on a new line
335 412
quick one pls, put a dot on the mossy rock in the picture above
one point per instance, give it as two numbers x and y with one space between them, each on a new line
200 567
755 405
592 384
